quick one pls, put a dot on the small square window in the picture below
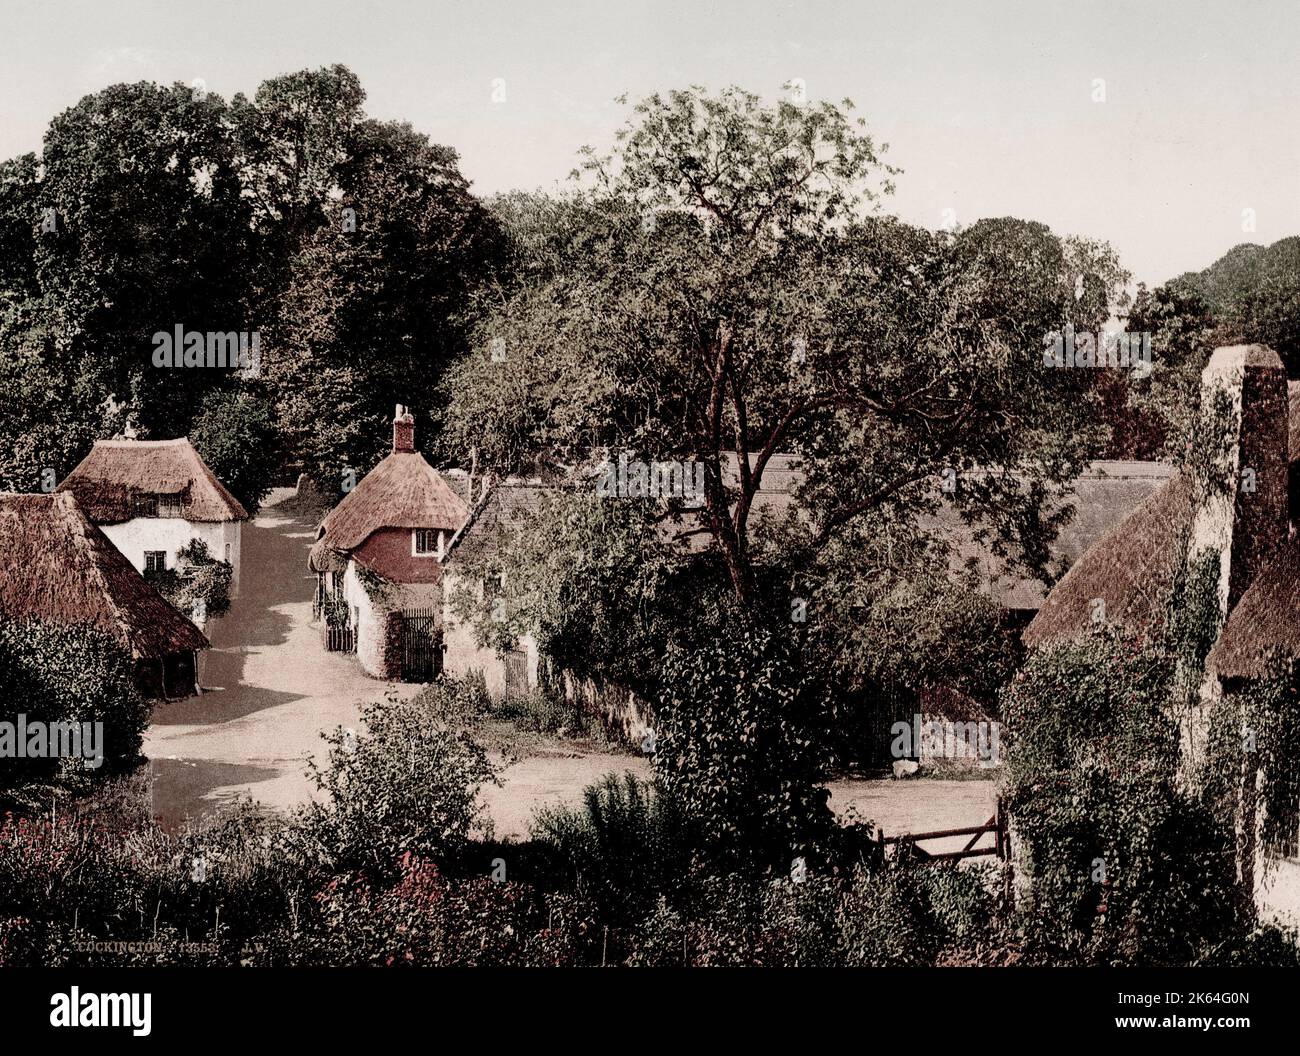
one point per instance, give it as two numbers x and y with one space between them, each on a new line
155 560
427 541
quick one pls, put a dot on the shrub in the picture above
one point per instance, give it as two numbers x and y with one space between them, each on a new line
739 749
69 674
199 586
625 848
1125 864
426 919
408 784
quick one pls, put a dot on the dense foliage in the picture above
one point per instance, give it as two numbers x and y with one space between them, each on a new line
199 584
68 674
1123 862
351 247
722 292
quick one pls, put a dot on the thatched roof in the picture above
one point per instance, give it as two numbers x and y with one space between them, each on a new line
1131 568
508 505
1265 622
403 491
117 473
57 567
1102 496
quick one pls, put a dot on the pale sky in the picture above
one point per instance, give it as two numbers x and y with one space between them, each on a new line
986 104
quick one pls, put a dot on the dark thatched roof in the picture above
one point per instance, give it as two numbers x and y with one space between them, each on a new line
1131 568
109 481
1265 622
403 491
57 567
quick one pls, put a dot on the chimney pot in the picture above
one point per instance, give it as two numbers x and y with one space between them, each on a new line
403 430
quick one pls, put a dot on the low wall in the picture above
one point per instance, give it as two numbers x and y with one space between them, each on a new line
626 716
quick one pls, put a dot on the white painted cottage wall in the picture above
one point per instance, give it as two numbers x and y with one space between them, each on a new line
368 619
462 654
370 616
171 534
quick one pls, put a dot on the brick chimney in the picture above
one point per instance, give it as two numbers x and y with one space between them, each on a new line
1243 514
403 430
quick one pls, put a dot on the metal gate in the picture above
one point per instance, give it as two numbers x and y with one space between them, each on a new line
421 646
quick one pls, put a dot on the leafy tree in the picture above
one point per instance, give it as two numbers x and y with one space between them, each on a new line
236 434
55 674
371 313
1253 293
734 301
142 177
594 582
54 405
1152 417
887 609
739 745
294 138
20 217
407 783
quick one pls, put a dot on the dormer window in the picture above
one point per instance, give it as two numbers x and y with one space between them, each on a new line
159 505
427 542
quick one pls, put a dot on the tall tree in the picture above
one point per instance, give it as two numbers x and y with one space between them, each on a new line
151 234
736 298
378 299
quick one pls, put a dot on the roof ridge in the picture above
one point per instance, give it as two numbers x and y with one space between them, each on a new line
489 490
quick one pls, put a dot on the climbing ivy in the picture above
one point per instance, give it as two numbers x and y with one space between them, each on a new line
377 588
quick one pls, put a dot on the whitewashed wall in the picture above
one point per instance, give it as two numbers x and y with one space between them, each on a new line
136 536
462 654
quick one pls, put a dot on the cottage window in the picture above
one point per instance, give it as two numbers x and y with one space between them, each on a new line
155 560
159 505
426 542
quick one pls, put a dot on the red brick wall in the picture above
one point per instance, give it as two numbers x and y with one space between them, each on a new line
388 552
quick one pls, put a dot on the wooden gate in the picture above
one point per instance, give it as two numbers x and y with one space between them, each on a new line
421 646
341 638
516 673
908 844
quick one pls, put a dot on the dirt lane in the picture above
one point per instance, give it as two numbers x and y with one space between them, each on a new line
270 687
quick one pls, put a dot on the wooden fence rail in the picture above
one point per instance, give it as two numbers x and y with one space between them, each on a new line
907 843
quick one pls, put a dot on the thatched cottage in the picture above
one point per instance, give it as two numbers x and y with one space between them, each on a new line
57 567
1245 519
377 562
152 497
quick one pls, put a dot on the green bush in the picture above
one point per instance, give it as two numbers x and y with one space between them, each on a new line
1125 864
739 748
199 587
408 783
69 674
625 848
